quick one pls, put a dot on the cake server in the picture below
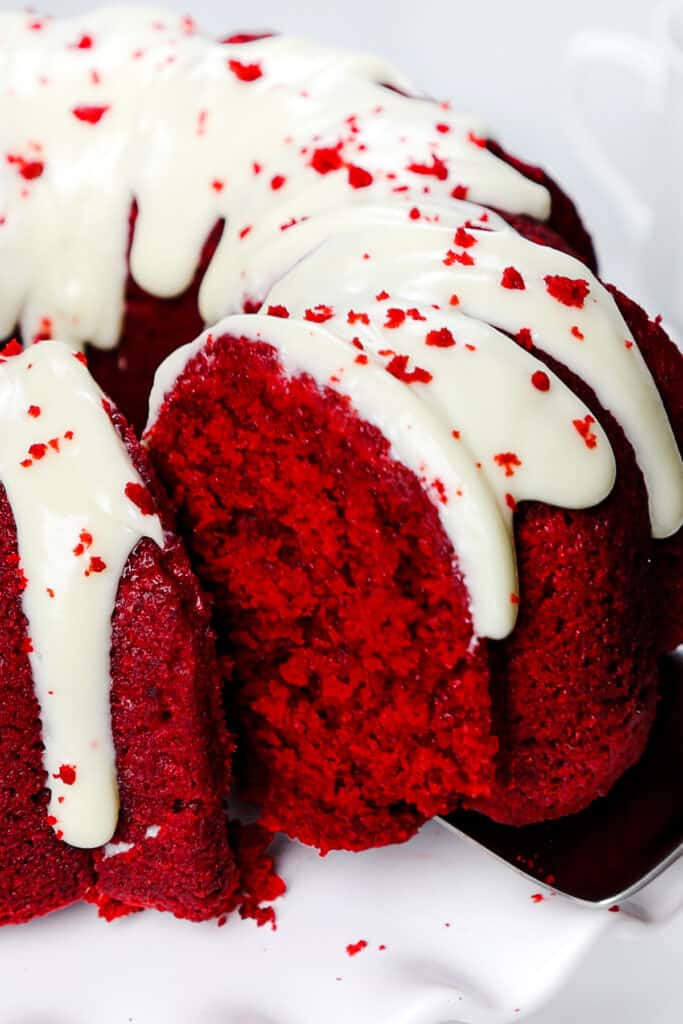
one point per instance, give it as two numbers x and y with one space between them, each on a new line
609 852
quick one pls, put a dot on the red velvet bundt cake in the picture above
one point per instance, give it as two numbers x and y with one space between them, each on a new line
124 805
434 486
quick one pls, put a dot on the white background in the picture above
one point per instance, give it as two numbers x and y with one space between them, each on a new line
505 60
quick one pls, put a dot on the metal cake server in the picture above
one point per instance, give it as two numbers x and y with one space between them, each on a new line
609 852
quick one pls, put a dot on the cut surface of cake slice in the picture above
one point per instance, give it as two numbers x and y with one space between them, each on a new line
428 527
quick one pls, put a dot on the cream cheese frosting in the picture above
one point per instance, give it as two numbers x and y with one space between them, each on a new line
68 478
132 103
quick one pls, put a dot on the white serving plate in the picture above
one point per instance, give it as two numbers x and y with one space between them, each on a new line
464 941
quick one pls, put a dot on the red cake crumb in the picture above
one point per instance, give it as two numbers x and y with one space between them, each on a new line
398 367
567 291
259 882
140 496
512 279
540 380
464 238
442 338
583 427
354 948
437 168
245 72
90 115
508 462
463 258
359 177
326 159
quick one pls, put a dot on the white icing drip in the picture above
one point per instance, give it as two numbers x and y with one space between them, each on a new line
488 391
152 831
70 496
183 134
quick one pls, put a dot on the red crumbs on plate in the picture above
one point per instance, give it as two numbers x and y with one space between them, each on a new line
277 181
512 279
259 882
460 192
34 411
538 897
568 291
245 72
577 333
356 947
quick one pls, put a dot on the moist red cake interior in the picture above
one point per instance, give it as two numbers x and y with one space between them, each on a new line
360 698
322 596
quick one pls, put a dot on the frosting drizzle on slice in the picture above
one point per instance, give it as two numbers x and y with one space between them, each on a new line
75 497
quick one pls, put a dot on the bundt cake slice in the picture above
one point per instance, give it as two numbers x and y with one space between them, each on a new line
439 419
354 469
115 764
